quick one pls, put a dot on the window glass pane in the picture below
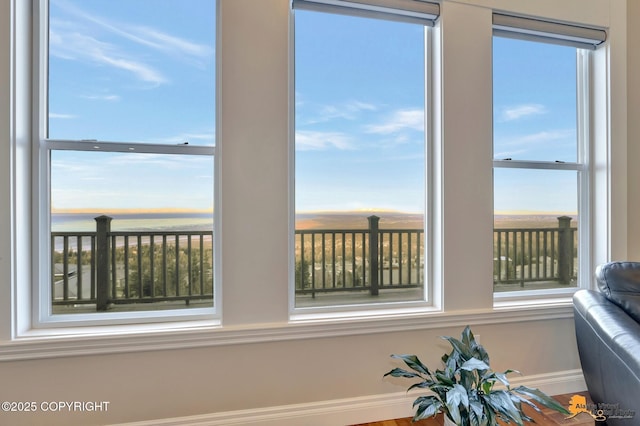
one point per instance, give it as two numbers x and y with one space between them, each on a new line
534 88
360 152
535 229
131 182
133 71
161 240
536 205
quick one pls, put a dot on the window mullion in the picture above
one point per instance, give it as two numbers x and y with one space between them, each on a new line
538 165
132 147
584 143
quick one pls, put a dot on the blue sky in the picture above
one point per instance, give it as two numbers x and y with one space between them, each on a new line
130 74
359 114
360 118
535 114
134 73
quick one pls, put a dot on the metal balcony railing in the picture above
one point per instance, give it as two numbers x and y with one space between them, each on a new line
527 255
107 267
369 259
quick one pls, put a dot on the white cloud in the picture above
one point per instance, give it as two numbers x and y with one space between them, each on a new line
166 42
543 136
520 111
360 106
407 119
320 141
62 116
82 39
140 70
345 111
80 47
143 35
109 98
160 162
522 145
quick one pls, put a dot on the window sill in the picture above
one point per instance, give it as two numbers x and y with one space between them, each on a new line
51 343
534 298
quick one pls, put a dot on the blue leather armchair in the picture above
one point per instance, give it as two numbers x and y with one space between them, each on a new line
607 324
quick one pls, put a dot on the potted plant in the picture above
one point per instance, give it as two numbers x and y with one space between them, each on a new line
465 389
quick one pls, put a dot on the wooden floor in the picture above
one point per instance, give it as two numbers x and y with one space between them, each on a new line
547 417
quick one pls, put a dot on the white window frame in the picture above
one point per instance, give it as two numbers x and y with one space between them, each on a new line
41 315
373 9
583 168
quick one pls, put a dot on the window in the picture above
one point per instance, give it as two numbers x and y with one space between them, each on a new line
255 59
126 155
541 158
360 153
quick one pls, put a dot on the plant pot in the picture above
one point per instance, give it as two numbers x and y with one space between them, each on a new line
448 421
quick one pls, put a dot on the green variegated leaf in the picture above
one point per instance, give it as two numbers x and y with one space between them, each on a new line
500 401
467 337
476 407
490 414
458 396
445 379
413 362
541 398
425 400
427 408
477 416
422 385
451 366
468 379
487 387
517 401
474 364
454 413
502 377
399 372
480 353
477 350
459 347
441 390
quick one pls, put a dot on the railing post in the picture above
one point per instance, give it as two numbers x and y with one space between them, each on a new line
374 269
103 229
565 250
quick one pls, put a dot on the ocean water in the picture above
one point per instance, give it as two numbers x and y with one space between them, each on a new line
83 222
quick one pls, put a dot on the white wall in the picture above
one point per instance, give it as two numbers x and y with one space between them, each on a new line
254 150
633 147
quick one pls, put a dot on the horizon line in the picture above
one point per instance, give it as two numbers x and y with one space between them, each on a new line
129 210
211 211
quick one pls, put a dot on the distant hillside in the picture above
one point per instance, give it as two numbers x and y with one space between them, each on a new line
358 220
530 221
399 220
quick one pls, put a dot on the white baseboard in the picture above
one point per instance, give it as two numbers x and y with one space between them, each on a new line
341 412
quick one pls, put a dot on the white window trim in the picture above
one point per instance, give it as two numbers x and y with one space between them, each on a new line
419 12
103 340
41 316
